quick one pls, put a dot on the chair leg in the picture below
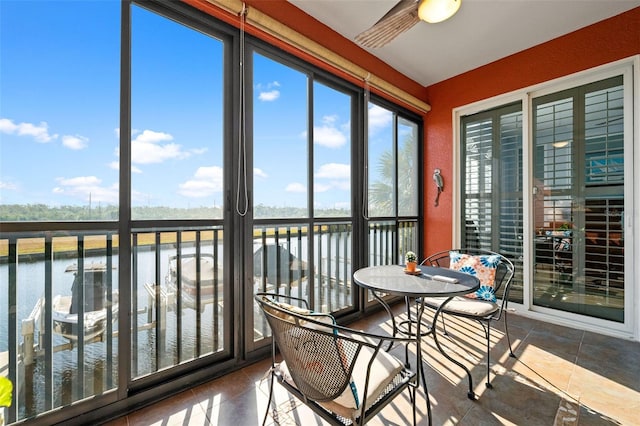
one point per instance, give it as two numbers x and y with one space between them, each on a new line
413 396
470 394
488 333
266 413
506 330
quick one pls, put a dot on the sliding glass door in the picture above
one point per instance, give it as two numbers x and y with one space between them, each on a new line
492 210
578 164
569 232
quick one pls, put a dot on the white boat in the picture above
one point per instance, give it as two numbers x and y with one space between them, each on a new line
209 283
67 310
273 264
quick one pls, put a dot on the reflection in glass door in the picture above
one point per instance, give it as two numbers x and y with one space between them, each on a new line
579 200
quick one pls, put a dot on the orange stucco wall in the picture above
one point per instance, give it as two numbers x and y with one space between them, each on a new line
606 41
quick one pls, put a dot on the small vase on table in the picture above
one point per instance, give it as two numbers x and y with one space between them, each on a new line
411 261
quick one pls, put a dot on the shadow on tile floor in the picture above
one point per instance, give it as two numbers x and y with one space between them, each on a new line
561 376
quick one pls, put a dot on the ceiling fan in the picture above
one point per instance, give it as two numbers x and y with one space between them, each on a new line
404 15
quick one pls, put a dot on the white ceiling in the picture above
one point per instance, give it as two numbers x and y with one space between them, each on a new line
481 32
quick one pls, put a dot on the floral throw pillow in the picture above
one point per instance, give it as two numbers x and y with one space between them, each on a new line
482 266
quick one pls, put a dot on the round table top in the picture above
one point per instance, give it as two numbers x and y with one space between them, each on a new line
393 279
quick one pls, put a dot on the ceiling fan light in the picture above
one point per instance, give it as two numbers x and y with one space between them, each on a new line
434 11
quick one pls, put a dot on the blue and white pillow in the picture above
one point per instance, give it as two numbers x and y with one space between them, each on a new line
481 266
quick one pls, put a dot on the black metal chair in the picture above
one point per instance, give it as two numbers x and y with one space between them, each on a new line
343 375
478 309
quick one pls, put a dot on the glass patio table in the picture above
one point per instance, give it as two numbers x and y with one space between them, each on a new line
428 281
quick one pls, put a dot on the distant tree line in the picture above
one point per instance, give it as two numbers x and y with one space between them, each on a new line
262 211
39 212
43 212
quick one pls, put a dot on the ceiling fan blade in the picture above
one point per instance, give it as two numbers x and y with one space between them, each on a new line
397 20
403 6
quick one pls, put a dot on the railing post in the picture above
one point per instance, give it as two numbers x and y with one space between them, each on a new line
27 340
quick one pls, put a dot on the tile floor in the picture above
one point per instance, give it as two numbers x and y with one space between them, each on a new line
561 376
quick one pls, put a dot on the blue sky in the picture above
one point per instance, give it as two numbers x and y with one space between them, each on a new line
59 114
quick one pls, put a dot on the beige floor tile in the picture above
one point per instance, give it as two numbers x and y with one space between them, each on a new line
561 376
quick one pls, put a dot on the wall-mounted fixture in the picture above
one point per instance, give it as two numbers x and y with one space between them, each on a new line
439 181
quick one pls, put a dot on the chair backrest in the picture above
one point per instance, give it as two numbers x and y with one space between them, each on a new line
505 269
318 357
339 372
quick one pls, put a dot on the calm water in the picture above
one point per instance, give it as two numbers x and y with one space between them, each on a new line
30 287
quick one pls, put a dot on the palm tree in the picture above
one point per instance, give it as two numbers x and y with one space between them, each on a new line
381 192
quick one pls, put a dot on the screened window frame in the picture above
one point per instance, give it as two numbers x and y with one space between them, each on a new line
359 139
397 114
388 236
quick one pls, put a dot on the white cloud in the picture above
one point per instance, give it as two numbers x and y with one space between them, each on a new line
379 118
269 96
149 136
330 119
296 187
80 181
75 142
268 92
8 186
259 173
334 171
39 132
338 175
83 187
206 181
146 148
329 137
